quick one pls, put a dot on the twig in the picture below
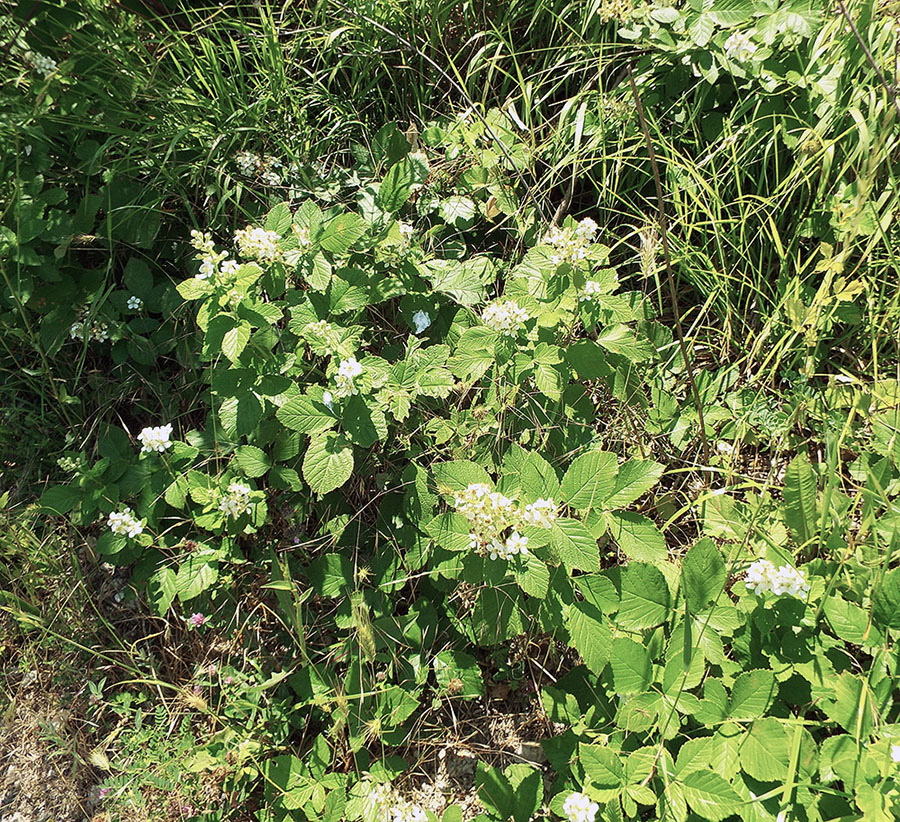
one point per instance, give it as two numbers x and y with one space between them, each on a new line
670 277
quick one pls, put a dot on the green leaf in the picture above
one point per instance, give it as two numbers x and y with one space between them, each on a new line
464 281
575 545
194 289
853 708
710 796
644 599
538 480
341 233
623 340
588 360
457 475
800 498
458 212
306 415
195 575
635 478
330 575
161 589
60 499
364 425
766 750
138 279
851 623
396 187
235 340
701 30
494 790
602 766
590 478
532 576
886 600
702 575
637 536
631 668
279 219
252 461
457 665
591 635
450 531
752 694
328 462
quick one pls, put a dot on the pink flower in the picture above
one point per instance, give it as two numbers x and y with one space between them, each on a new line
196 620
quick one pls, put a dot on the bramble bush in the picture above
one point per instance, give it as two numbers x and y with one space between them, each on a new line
431 428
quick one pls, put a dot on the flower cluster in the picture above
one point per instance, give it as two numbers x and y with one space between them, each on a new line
42 64
211 263
258 244
135 303
347 371
762 577
124 523
84 330
740 47
579 808
302 235
541 513
571 244
592 291
491 514
267 168
506 317
384 804
156 439
196 620
421 320
407 232
236 501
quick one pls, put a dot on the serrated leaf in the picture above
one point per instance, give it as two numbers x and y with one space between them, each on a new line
364 425
886 600
710 796
235 340
766 750
306 415
161 590
752 694
396 187
591 635
341 233
590 478
702 575
637 536
602 766
194 576
623 340
575 545
644 598
632 671
328 462
458 211
194 289
800 498
279 219
457 475
252 461
532 576
853 708
635 478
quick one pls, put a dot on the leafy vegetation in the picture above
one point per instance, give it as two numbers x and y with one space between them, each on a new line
467 411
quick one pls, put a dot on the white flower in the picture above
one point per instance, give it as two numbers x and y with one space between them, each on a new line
541 513
421 321
301 233
579 808
258 244
407 232
248 163
895 753
762 577
328 401
156 439
515 544
229 268
347 371
740 47
42 64
76 331
586 230
236 500
100 332
571 244
135 303
592 289
506 317
125 523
